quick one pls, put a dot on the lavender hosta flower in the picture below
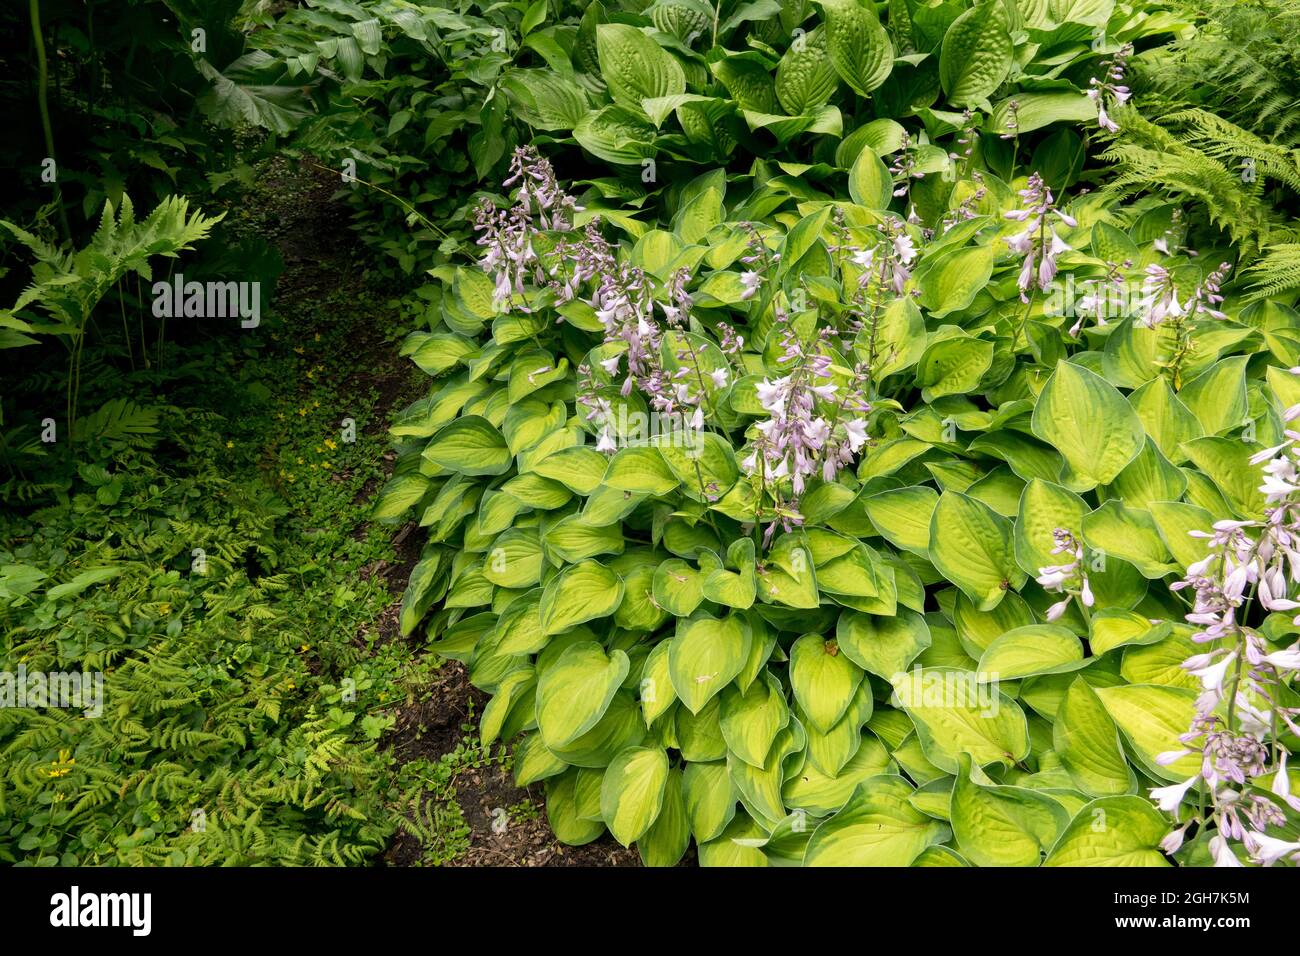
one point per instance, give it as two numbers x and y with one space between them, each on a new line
749 283
1069 577
1160 296
1111 85
1038 242
1239 712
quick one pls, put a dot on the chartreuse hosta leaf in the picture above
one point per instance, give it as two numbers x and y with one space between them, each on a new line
1129 534
823 679
562 813
1031 651
751 719
1002 826
1112 831
970 545
859 47
632 792
574 692
470 446
1086 739
884 646
582 592
665 843
876 827
954 714
705 656
819 792
1088 421
1152 718
710 799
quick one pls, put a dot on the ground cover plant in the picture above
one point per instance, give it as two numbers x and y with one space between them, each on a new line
818 433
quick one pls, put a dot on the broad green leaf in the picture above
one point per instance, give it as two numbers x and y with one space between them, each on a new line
858 45
956 714
705 656
970 545
976 54
562 813
1217 397
575 691
751 719
470 446
1030 651
1002 826
876 827
1227 463
1088 421
632 792
635 67
902 516
884 646
1119 831
869 182
710 799
1086 739
1152 718
578 594
668 838
1129 534
1044 507
823 679
640 471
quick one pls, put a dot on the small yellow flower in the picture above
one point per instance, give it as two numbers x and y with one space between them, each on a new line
326 465
300 461
315 404
61 767
289 685
316 337
297 349
230 444
311 374
302 411
164 608
331 444
305 647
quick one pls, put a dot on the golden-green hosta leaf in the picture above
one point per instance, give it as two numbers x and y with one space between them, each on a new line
575 691
1113 627
1129 534
1002 826
817 792
1175 520
705 655
470 445
1152 718
970 545
632 792
710 799
580 593
883 646
562 813
1088 421
902 516
823 679
657 693
1044 507
1112 831
751 720
678 587
956 714
1030 651
1086 739
1166 419
724 850
640 470
876 827
665 843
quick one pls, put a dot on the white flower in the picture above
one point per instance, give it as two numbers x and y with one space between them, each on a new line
857 432
1222 853
750 282
1168 798
904 248
1212 675
719 376
1268 850
610 365
606 442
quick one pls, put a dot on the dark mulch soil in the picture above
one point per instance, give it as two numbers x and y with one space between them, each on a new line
310 228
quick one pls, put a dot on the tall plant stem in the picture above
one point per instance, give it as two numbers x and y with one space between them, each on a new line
42 100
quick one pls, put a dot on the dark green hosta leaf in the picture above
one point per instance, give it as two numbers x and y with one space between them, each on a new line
976 54
254 91
635 67
805 77
859 47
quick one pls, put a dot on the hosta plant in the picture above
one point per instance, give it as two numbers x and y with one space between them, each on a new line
835 519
